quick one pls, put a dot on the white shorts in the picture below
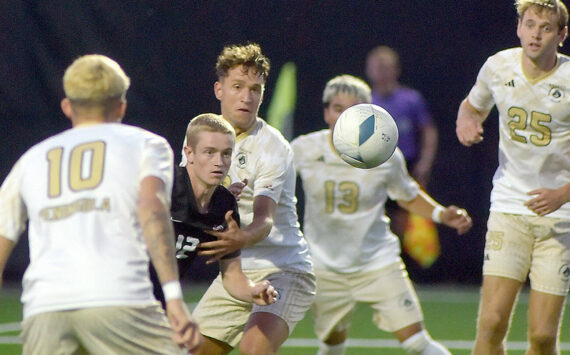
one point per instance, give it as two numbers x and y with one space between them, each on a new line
517 246
388 290
99 330
223 317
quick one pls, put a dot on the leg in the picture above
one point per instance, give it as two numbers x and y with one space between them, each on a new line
211 346
498 296
263 334
544 316
416 341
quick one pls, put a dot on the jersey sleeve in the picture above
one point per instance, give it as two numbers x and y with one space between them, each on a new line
13 213
401 186
273 174
158 160
480 95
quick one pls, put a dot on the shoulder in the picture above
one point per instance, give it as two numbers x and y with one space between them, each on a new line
308 139
505 57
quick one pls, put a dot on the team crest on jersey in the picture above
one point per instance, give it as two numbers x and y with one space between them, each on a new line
556 94
241 159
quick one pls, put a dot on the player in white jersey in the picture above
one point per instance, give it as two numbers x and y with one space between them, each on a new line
528 233
96 197
272 244
356 256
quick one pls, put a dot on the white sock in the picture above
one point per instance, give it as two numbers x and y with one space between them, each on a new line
422 344
325 349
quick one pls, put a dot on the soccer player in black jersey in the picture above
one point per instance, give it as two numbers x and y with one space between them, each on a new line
200 204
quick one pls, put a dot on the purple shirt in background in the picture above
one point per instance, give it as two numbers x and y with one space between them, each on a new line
410 112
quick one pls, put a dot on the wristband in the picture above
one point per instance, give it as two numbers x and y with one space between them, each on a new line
172 290
436 213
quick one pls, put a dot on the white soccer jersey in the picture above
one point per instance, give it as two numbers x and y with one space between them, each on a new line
534 129
345 221
80 190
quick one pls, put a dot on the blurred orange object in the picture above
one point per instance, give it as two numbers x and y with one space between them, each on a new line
421 240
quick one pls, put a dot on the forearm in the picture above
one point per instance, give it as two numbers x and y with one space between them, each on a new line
423 205
159 238
235 281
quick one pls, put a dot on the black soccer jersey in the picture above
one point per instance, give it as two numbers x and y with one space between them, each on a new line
189 223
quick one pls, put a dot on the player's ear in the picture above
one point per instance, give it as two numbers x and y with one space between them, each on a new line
188 154
66 108
218 90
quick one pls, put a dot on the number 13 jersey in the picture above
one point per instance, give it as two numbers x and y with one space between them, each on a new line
344 218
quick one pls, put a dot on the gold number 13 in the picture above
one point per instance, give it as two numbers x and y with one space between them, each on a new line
78 178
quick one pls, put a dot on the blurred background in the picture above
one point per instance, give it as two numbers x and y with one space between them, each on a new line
169 49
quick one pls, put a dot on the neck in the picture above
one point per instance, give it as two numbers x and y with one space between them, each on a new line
387 88
202 191
536 68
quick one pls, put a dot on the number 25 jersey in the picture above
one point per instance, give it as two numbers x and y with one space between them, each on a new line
534 128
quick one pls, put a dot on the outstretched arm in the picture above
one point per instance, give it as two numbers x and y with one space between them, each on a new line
469 124
6 247
548 200
241 287
234 237
451 216
158 233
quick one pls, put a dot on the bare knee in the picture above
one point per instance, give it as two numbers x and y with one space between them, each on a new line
336 337
493 327
543 341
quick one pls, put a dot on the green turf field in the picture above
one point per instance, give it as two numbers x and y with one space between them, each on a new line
449 314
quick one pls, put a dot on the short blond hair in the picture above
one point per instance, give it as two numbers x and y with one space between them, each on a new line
207 122
555 6
348 84
95 80
249 55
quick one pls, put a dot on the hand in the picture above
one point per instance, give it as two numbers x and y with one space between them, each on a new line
469 131
237 187
262 293
546 201
229 240
186 330
457 218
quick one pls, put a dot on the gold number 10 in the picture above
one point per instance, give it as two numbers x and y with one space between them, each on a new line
78 178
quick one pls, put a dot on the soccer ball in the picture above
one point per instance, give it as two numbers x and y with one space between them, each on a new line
365 135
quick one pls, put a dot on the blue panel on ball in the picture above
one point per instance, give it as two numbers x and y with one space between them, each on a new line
366 130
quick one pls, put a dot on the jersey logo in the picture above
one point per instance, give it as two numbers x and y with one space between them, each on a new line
321 158
510 83
241 159
556 94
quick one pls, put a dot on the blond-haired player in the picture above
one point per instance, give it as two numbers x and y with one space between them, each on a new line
201 204
356 256
97 198
272 244
528 233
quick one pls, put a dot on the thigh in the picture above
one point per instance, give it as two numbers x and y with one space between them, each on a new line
498 296
220 316
49 333
124 330
392 296
508 247
334 305
545 312
550 269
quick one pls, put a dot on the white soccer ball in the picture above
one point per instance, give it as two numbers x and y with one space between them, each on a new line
365 135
